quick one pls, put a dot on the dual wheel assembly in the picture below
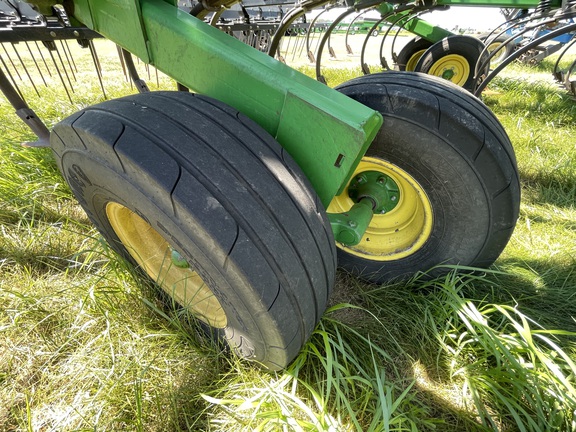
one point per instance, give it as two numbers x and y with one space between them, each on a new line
211 208
453 58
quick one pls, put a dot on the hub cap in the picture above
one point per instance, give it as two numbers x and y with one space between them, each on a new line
452 67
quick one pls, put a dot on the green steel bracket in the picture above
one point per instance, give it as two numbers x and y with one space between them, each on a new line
373 193
414 25
326 132
349 227
118 20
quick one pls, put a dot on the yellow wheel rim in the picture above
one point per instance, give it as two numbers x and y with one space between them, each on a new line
413 60
452 67
398 233
153 253
500 55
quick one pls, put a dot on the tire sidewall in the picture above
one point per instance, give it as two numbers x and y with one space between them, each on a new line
409 50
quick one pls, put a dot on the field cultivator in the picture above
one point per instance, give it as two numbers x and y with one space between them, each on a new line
530 37
240 198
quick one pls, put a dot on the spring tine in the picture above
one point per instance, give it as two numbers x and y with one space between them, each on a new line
67 46
157 79
11 77
60 75
311 29
302 43
94 55
122 63
296 44
349 29
140 84
400 25
36 63
516 54
65 71
11 62
317 42
68 61
97 66
25 68
556 71
43 59
288 38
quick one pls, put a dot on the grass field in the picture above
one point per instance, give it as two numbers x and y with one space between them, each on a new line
86 345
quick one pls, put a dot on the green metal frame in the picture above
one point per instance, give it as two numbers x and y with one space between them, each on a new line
326 132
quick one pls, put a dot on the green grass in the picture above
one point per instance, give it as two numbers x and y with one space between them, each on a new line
86 345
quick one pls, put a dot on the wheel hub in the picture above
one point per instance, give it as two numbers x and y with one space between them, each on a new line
166 266
448 74
381 189
452 67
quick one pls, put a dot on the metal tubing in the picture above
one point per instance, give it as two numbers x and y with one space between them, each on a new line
311 28
133 73
518 53
567 48
332 26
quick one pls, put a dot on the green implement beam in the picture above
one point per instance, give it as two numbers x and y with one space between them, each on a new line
326 132
414 25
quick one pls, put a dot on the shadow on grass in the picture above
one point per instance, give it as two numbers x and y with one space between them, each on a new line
557 187
547 103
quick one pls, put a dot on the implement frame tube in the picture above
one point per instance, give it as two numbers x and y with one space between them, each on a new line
326 132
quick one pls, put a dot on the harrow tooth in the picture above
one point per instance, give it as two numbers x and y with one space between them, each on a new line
43 58
65 70
11 62
97 66
36 64
50 51
25 68
71 67
12 81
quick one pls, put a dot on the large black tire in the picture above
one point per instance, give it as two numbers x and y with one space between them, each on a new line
496 44
456 171
454 58
208 205
409 55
